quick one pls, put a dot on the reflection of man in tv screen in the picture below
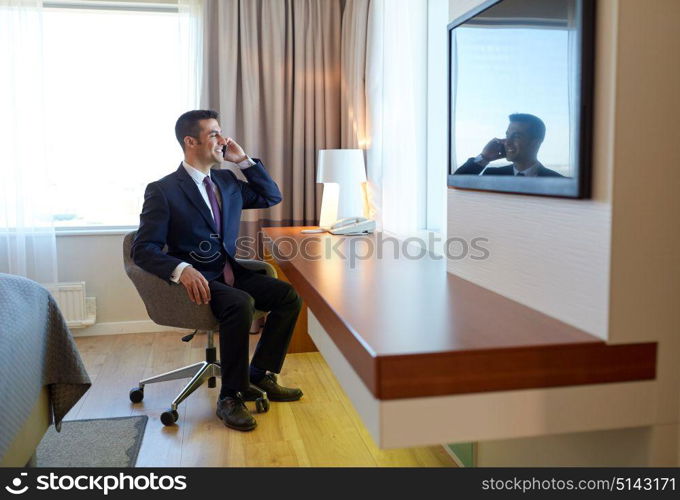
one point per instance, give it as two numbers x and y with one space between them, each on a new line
522 141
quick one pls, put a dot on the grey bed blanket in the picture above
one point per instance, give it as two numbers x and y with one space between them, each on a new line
36 350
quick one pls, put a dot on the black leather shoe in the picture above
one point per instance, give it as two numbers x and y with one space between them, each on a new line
234 414
275 392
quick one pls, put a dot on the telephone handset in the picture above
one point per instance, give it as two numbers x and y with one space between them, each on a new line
353 225
347 226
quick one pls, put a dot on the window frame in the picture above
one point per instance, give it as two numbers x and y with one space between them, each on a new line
168 6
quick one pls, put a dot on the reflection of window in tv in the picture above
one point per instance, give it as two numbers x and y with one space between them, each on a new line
529 12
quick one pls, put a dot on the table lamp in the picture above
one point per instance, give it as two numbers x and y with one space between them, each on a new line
342 173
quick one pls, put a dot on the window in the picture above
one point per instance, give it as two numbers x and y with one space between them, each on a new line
115 84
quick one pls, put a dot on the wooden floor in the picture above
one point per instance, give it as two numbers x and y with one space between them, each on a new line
321 430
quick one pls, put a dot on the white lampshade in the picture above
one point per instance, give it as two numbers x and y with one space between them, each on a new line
343 174
343 166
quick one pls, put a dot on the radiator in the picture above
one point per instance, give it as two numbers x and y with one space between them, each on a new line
78 310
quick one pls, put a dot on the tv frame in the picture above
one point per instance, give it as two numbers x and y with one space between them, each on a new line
578 187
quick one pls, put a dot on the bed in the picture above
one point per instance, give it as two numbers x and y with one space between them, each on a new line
41 370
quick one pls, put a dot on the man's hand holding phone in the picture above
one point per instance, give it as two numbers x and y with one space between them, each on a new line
233 152
196 285
494 150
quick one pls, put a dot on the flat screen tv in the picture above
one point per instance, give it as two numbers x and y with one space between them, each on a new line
520 97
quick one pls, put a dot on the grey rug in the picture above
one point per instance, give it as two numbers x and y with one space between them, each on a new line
105 442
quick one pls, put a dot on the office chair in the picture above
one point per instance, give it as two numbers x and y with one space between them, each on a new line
169 305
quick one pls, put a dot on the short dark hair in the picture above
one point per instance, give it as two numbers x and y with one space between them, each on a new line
536 125
187 124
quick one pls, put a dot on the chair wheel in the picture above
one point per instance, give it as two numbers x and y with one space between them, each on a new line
253 393
137 394
262 405
169 417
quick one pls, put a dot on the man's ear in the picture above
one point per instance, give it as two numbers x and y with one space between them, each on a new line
189 142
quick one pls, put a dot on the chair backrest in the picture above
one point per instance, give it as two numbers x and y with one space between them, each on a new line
166 303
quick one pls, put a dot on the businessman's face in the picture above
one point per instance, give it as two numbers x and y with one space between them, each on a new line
519 143
210 142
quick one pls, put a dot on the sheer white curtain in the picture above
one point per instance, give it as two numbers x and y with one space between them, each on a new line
27 240
396 83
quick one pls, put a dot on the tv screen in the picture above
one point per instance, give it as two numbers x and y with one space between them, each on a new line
520 97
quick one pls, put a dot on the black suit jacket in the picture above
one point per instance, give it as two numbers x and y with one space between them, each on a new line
472 168
175 214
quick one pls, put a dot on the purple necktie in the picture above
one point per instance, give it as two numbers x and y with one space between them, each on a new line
210 188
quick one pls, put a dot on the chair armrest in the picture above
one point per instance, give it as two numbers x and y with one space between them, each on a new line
168 303
258 266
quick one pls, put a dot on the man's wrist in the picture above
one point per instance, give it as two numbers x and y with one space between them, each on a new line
481 160
177 273
246 162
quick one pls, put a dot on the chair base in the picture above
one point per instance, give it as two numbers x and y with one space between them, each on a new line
208 370
199 373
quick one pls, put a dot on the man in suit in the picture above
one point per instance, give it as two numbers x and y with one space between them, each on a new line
196 212
522 141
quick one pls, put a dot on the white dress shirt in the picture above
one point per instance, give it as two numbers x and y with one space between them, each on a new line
198 177
532 171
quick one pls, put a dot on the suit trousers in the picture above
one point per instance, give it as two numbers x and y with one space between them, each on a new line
234 306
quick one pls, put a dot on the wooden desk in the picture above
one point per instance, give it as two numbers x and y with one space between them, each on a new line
410 330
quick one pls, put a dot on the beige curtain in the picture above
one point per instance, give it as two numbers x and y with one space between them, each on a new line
288 79
353 46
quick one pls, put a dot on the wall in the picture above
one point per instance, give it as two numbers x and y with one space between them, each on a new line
635 447
98 260
607 265
645 264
